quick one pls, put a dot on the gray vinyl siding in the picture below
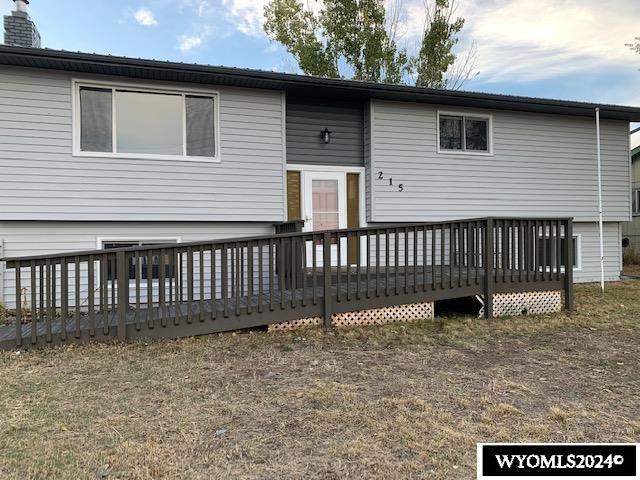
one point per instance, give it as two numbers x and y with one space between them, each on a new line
43 238
590 248
306 118
42 180
367 160
631 231
542 165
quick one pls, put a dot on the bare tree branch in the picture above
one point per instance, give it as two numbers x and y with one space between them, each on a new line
463 69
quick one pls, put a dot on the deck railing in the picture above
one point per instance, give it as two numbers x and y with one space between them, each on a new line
202 287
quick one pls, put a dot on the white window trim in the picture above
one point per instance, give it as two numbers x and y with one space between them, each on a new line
143 88
483 116
578 267
101 240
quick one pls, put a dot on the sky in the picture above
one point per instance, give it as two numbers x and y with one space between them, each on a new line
566 49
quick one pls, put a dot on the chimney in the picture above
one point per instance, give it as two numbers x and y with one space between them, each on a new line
19 30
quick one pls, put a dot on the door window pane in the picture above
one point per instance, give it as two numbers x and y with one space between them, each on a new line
451 133
476 134
200 126
95 120
325 204
149 123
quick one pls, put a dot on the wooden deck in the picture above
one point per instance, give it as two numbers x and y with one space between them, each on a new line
353 292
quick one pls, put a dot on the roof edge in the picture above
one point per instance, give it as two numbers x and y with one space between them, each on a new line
198 73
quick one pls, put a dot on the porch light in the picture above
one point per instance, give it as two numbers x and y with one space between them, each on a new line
326 135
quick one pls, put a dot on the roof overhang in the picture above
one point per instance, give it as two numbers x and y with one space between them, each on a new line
294 84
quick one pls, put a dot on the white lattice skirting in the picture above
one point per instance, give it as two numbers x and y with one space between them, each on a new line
376 316
525 303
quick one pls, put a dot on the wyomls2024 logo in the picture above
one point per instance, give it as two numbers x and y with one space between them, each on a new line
593 461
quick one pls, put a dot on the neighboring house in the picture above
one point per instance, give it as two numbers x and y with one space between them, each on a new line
101 151
631 230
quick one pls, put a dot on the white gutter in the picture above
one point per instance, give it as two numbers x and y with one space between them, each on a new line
600 200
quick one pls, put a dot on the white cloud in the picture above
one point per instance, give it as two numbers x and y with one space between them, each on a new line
526 40
188 42
246 15
145 17
202 8
517 40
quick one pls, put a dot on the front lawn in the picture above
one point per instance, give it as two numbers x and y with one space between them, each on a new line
400 401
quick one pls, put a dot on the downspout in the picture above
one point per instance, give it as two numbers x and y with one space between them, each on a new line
600 201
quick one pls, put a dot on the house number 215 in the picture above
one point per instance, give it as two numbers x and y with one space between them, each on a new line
381 177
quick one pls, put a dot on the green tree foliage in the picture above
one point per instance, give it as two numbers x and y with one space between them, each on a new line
355 39
436 52
298 30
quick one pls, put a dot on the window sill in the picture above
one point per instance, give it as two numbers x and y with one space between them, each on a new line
553 270
146 156
465 152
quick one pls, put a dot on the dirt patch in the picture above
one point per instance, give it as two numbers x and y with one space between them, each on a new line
392 402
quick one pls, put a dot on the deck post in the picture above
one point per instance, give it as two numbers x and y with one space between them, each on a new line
488 268
568 265
326 274
122 275
19 307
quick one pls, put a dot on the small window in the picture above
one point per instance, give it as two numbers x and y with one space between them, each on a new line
144 269
462 133
635 201
146 123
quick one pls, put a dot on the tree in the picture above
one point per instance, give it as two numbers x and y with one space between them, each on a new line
344 32
634 46
358 39
298 29
436 52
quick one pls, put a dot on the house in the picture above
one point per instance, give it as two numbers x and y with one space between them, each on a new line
631 230
102 152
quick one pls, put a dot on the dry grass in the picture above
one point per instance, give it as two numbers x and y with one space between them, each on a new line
4 315
631 256
631 270
392 402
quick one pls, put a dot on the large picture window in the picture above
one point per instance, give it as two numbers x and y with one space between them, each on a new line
139 123
464 133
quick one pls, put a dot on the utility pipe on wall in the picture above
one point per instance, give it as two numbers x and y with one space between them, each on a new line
600 200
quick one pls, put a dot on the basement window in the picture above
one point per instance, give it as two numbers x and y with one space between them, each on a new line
144 264
113 121
547 251
462 133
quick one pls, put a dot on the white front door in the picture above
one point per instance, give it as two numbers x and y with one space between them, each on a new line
325 208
